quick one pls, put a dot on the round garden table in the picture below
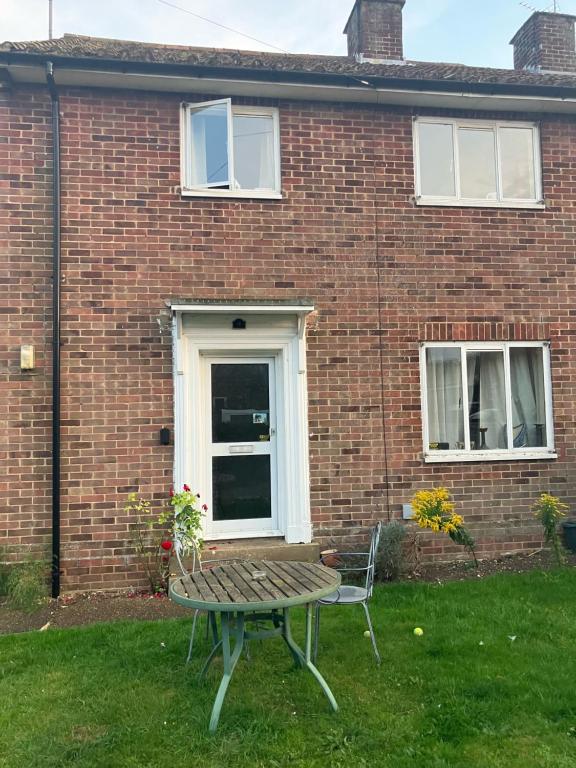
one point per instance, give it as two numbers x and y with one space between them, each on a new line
255 591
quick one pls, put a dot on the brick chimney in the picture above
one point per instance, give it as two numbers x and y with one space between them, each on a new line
546 42
374 30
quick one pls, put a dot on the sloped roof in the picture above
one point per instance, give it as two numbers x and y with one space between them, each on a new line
80 47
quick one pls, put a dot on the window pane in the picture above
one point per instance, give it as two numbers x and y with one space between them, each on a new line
240 402
241 488
477 164
528 398
436 156
444 388
486 400
517 162
254 151
209 146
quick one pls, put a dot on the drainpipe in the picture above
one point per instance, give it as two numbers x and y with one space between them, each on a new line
56 278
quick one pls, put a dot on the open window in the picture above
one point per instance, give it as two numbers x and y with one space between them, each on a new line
230 150
485 401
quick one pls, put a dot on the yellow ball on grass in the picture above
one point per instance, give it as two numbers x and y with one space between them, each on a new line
418 631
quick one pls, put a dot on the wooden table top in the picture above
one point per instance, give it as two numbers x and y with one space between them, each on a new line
254 585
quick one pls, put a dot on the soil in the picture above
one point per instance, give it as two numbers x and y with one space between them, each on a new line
91 607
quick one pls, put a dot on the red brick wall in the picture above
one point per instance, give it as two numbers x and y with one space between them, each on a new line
25 271
130 243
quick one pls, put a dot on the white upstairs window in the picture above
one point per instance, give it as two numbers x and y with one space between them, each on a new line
477 163
486 401
230 151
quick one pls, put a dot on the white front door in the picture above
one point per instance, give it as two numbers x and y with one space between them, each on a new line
241 437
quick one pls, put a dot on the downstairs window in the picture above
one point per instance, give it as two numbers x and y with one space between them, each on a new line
486 401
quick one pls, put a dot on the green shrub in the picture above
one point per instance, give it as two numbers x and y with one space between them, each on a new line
550 510
390 562
26 584
3 579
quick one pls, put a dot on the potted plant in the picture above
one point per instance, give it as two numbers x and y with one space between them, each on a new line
569 528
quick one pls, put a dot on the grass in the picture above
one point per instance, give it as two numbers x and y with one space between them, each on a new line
464 694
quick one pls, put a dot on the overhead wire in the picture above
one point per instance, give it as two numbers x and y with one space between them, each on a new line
222 26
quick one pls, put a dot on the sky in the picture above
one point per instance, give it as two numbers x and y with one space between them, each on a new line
475 32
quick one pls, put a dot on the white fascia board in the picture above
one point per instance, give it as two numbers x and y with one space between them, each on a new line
298 91
246 309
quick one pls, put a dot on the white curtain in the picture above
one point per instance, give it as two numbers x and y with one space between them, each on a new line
486 400
254 152
444 390
528 399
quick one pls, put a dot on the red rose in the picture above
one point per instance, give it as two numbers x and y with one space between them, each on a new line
167 545
205 507
171 491
187 488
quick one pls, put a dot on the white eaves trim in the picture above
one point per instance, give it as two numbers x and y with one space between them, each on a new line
230 87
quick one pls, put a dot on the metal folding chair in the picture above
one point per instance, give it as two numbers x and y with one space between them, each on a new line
351 594
182 550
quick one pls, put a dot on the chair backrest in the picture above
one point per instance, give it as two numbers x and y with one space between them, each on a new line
372 554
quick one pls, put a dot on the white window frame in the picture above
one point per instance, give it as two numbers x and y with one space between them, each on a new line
457 201
189 190
509 454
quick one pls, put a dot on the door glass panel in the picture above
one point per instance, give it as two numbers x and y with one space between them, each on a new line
240 402
241 488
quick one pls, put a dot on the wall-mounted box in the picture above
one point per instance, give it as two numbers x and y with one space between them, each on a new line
407 512
27 357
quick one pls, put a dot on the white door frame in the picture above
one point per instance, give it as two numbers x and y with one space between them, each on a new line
274 337
253 527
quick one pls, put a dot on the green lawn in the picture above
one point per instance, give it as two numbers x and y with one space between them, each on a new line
464 694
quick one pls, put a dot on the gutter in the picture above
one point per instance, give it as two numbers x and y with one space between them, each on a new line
353 81
56 300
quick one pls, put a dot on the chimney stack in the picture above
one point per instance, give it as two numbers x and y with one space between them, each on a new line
546 43
374 30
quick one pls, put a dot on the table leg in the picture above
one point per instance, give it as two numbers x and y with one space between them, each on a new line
304 659
308 659
297 654
230 661
214 626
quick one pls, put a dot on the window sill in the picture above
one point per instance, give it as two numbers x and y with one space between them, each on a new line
447 457
443 202
232 194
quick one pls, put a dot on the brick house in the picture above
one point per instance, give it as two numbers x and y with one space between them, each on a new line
306 285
